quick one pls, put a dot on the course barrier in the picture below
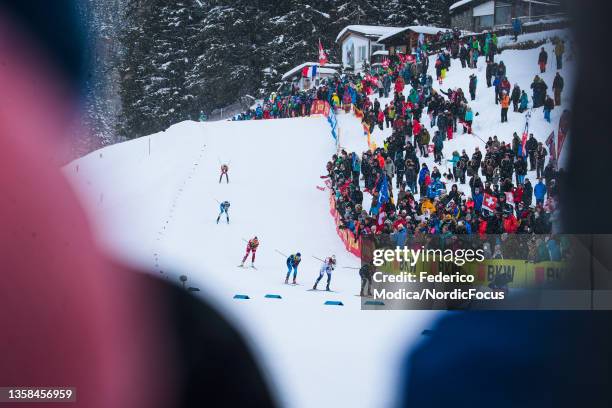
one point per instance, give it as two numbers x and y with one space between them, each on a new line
320 107
333 303
244 297
351 243
273 296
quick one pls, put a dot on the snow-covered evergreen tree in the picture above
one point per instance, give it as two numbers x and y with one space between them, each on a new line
101 103
190 55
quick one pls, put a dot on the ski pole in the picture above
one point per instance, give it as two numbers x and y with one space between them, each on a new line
481 139
349 267
281 253
319 259
218 202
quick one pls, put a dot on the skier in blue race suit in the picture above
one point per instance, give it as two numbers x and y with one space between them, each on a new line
292 263
224 208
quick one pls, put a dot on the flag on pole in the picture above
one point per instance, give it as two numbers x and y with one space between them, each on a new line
489 202
385 62
384 191
510 198
550 143
525 132
309 71
322 55
564 124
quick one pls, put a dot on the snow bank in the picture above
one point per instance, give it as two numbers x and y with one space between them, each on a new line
159 211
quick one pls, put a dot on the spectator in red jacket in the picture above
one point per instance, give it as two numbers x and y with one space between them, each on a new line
510 223
517 193
399 84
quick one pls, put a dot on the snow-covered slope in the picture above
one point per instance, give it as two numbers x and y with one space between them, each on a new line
159 210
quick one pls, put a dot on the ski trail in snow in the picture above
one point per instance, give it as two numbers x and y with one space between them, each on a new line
167 221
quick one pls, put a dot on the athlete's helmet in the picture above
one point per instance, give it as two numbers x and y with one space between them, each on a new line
298 254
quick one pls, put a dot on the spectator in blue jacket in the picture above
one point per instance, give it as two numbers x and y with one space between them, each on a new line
477 197
497 86
540 192
424 172
356 167
400 236
524 102
517 27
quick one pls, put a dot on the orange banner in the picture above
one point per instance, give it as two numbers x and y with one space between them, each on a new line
348 238
320 108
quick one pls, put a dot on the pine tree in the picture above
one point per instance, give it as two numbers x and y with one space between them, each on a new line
101 101
181 57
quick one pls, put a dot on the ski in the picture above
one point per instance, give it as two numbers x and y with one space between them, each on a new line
251 266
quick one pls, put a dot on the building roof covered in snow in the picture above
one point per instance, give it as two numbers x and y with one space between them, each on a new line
415 29
327 69
367 31
459 4
381 52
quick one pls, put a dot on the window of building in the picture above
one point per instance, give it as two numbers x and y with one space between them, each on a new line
362 52
503 13
483 22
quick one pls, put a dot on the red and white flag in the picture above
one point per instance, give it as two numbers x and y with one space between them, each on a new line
489 202
550 142
564 125
510 198
322 55
525 132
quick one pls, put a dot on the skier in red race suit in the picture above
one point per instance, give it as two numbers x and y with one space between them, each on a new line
251 247
224 169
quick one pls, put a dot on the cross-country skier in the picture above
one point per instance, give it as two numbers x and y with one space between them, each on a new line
292 263
224 169
328 266
224 208
251 247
